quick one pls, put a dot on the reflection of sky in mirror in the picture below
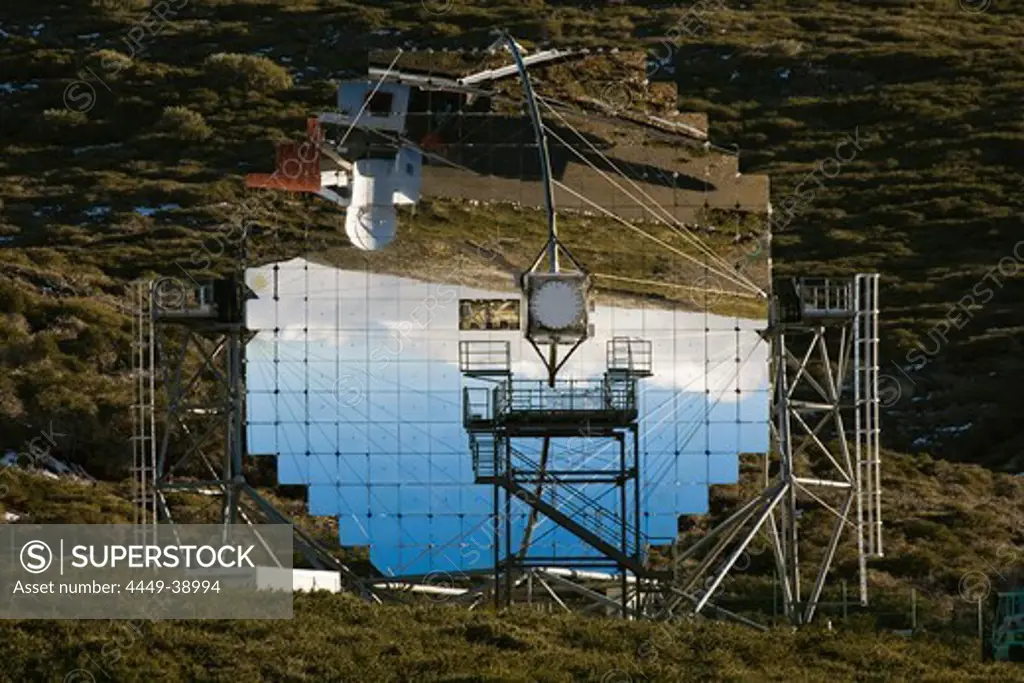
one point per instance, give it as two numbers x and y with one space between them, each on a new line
353 379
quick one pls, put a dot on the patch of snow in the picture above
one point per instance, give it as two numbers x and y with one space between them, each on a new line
97 211
920 441
48 210
286 60
89 148
783 74
11 517
956 429
11 88
149 211
89 36
37 29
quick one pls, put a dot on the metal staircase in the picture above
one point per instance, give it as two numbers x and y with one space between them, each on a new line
486 463
586 515
498 410
586 518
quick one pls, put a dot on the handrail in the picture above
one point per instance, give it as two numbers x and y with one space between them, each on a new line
826 294
526 396
577 504
624 354
485 356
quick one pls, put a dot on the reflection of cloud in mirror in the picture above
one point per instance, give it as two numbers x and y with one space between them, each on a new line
353 380
378 317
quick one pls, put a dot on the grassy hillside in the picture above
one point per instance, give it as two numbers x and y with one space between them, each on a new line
345 641
337 638
952 530
932 201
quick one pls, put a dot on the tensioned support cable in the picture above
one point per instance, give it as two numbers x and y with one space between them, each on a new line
678 227
629 225
641 281
611 214
366 102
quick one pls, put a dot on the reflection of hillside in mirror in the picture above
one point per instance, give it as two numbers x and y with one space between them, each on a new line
353 379
479 143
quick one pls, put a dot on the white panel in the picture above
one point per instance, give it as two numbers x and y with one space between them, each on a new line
724 437
723 468
352 95
384 502
754 438
353 468
385 469
292 468
415 467
323 313
446 536
661 527
409 174
263 434
692 499
353 530
449 437
415 499
692 468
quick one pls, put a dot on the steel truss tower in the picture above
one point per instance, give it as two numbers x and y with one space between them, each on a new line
189 410
824 350
501 417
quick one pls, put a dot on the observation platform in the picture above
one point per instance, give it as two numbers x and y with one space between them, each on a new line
208 305
822 300
525 407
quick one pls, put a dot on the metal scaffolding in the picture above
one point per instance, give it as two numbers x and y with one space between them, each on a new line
499 416
823 333
189 424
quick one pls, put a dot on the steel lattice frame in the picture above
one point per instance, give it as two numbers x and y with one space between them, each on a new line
830 339
200 361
